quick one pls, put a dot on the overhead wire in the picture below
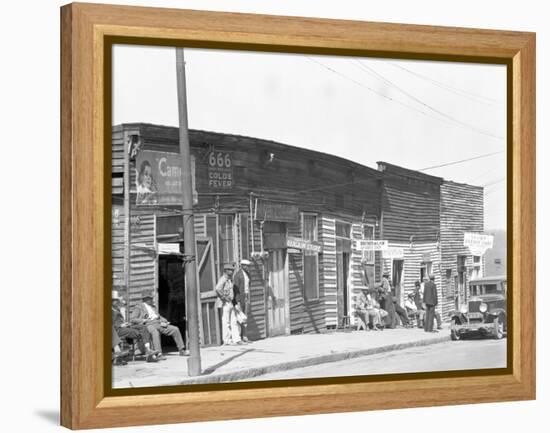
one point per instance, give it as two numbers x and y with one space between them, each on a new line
397 101
375 74
449 88
485 155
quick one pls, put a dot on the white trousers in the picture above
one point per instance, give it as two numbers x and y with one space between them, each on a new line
231 329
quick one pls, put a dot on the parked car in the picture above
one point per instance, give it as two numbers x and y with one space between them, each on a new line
485 313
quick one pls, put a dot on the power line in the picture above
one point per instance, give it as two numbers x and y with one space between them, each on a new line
441 119
461 161
449 88
494 182
372 72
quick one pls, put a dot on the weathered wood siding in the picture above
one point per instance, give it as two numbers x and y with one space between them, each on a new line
117 161
355 275
118 249
256 325
143 258
461 211
306 315
414 255
327 272
410 205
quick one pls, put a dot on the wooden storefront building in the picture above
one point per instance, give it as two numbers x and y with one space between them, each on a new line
296 214
424 218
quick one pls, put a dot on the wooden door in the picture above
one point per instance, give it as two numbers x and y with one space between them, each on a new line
278 309
210 329
397 279
342 263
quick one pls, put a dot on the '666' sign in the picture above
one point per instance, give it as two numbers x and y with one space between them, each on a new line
220 170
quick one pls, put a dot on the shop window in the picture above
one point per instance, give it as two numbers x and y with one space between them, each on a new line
311 259
227 240
449 286
425 270
343 230
221 229
368 234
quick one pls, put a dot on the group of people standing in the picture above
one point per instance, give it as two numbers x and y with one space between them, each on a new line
233 291
378 308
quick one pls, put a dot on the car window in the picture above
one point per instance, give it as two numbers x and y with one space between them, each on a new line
490 289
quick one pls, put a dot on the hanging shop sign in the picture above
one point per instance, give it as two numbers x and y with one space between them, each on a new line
371 245
158 178
276 211
303 244
393 253
220 171
169 248
478 243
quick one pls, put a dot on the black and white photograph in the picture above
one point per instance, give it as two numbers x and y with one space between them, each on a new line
292 216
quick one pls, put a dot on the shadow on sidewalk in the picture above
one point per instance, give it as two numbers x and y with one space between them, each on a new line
214 367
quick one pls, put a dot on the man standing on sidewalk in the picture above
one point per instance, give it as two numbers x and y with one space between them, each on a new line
430 299
241 298
224 290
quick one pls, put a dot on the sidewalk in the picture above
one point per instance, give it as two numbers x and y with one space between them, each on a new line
235 363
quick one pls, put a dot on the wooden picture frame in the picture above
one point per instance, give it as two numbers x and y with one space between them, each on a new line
87 32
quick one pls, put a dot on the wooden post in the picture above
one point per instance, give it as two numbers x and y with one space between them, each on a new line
194 360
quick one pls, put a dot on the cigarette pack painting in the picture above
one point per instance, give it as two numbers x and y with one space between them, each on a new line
290 216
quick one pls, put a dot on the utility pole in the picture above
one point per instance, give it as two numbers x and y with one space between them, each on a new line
194 360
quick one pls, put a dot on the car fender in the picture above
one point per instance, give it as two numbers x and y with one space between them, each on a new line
497 312
457 315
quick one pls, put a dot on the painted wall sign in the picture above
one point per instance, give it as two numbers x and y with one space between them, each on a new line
276 211
220 170
158 178
478 243
393 253
303 244
371 245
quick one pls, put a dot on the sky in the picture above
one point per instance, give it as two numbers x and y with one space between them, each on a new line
415 114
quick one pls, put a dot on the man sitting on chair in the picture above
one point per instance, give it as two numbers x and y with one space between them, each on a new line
136 333
146 314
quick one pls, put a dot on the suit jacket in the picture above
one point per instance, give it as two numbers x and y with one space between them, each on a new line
139 314
430 293
238 287
118 318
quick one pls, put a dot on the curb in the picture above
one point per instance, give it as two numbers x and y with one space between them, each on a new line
248 373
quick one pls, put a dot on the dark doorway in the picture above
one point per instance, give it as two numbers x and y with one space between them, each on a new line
171 296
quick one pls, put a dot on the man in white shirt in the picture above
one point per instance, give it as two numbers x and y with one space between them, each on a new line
231 331
146 314
241 295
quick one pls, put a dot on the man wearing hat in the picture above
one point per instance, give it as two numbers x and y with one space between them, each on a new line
386 301
412 309
241 293
368 311
231 333
146 314
430 300
137 333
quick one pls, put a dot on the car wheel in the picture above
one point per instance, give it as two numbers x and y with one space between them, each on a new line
455 336
498 329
